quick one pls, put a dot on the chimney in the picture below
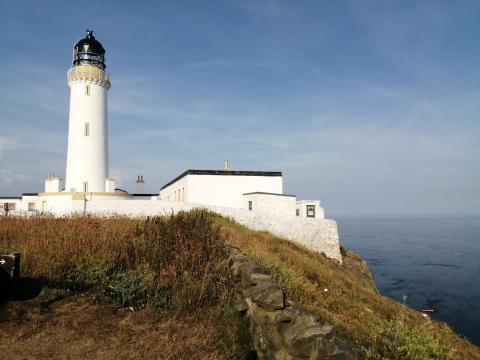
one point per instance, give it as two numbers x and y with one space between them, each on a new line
225 166
139 185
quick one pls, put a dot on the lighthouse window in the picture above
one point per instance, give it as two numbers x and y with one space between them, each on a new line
87 90
86 130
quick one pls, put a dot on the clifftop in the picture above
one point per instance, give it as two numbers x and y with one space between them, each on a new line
346 296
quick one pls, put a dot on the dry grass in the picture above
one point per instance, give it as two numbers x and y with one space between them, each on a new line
176 266
58 325
50 246
173 265
378 326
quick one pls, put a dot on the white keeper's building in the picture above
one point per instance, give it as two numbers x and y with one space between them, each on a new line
254 198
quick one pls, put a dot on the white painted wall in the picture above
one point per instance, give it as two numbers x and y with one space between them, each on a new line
302 208
87 156
53 184
17 203
221 190
279 205
110 185
178 191
29 200
56 204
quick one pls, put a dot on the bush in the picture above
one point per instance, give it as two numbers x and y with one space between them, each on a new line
175 261
130 288
395 339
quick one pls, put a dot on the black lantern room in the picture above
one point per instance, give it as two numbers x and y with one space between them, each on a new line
89 51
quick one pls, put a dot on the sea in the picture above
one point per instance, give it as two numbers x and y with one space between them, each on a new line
434 261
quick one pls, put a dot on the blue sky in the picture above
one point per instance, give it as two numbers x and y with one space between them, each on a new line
371 106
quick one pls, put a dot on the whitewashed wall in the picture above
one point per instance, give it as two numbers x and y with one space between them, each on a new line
222 190
17 202
170 192
302 208
53 184
275 204
59 204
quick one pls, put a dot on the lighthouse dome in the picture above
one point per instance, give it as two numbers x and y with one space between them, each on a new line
89 51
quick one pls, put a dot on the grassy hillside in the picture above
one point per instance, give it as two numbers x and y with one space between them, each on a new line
173 270
345 295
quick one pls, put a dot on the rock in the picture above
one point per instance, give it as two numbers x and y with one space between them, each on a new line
247 269
359 269
331 347
303 344
270 299
241 304
236 261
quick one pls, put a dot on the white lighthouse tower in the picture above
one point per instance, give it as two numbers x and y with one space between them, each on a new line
87 154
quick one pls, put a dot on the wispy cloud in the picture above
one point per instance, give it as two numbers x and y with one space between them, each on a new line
8 178
6 145
225 63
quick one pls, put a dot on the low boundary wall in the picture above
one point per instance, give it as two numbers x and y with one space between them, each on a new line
279 330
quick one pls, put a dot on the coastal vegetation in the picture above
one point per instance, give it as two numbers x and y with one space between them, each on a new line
173 270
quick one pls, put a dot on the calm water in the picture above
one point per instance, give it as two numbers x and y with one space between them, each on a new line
436 262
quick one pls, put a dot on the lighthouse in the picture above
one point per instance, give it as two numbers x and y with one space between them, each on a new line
87 153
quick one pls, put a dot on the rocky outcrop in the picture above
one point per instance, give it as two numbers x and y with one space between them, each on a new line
358 268
279 330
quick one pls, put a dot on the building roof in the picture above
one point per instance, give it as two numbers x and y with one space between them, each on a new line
267 193
10 197
222 172
29 194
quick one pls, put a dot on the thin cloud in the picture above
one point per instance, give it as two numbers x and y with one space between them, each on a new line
7 145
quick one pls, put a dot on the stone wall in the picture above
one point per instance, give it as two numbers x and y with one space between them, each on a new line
279 330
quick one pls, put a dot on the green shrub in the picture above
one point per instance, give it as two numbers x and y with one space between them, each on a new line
131 287
395 339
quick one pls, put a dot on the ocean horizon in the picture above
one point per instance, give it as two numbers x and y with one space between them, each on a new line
434 260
